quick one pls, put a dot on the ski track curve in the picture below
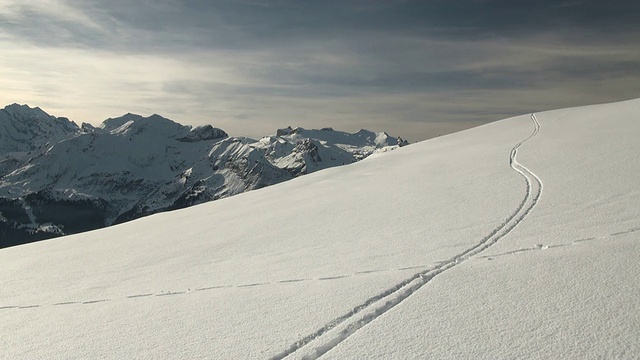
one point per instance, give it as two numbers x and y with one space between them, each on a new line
336 331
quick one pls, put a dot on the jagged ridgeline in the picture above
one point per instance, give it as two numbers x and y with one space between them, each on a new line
57 178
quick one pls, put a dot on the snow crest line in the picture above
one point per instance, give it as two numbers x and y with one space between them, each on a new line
336 331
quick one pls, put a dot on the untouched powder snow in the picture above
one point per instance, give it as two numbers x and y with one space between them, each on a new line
564 282
517 239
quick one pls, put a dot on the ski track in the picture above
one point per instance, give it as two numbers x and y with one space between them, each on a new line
393 296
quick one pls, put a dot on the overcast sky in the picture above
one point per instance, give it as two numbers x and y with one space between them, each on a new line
412 68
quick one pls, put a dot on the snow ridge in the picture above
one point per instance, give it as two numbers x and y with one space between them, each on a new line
336 331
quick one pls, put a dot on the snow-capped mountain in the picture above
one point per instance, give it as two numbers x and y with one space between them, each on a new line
76 179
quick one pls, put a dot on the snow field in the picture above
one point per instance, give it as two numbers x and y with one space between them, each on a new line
307 268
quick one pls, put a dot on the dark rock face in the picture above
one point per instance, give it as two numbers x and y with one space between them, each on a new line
55 217
72 216
202 133
8 165
11 236
284 131
308 154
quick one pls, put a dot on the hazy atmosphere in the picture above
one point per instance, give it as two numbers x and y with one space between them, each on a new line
415 69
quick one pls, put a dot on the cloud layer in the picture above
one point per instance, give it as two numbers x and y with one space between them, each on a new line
413 68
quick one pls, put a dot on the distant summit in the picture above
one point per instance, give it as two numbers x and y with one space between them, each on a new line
23 128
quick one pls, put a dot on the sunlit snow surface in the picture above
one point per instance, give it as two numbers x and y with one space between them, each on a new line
457 247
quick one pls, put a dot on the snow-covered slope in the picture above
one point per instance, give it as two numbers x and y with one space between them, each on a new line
134 166
518 239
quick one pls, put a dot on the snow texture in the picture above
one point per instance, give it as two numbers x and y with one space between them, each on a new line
517 239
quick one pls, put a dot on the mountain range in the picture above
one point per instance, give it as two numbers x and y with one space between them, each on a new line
58 178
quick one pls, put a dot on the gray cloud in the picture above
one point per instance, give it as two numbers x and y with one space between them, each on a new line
167 24
410 67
